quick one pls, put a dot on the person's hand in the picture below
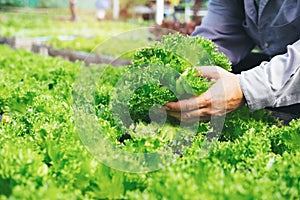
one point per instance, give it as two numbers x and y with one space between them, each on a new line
223 97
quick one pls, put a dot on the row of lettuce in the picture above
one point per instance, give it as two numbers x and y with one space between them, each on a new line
42 156
54 28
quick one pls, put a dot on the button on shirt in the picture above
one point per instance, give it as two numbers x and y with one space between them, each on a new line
238 26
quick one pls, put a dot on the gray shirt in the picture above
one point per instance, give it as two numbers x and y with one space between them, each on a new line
236 26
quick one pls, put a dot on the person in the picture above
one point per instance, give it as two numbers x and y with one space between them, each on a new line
102 6
270 79
72 6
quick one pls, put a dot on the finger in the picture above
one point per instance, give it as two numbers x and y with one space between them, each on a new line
202 101
183 105
196 114
208 72
205 99
194 120
191 118
176 115
211 72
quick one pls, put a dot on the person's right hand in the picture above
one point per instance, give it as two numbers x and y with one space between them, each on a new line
223 97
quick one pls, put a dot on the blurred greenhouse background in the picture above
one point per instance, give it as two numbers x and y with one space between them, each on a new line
72 68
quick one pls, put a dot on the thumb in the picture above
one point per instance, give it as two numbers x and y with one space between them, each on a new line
212 72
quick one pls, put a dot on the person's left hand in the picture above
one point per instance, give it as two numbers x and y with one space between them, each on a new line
223 97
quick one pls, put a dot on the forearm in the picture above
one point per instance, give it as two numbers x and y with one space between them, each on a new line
275 83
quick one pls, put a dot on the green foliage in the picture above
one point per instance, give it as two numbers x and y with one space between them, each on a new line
245 168
167 73
42 157
199 51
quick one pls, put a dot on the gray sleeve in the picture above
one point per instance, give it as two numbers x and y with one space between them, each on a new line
223 24
275 83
